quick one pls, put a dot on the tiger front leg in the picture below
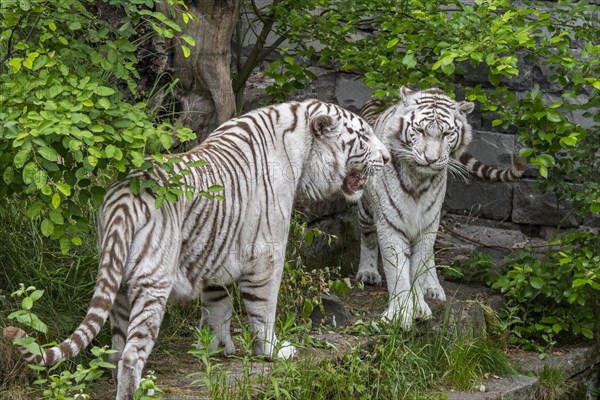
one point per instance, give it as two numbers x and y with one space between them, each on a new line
259 291
217 311
369 249
395 252
423 267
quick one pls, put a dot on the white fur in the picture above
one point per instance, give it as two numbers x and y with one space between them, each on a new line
406 221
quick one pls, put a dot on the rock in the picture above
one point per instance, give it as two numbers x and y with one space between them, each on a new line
351 93
456 239
532 207
336 313
480 199
512 388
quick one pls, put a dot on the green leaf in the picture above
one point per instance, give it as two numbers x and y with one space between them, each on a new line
409 60
21 157
65 245
56 217
188 39
75 25
134 186
104 91
47 227
29 172
56 200
110 150
392 43
553 115
568 141
36 295
9 175
536 282
16 64
104 103
34 209
48 153
215 188
64 188
27 303
448 68
186 51
28 63
25 5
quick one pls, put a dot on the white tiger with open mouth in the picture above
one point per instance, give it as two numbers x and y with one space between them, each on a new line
185 248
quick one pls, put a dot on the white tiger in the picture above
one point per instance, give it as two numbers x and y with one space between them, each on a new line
193 248
427 134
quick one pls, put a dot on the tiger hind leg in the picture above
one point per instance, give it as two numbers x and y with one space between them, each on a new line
147 310
148 286
119 321
217 311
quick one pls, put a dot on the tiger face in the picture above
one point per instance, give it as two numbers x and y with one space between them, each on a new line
432 130
349 149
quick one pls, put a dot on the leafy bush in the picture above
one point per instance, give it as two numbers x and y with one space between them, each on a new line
69 110
555 295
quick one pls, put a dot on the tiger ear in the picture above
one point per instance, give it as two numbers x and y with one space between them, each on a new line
405 94
466 107
322 125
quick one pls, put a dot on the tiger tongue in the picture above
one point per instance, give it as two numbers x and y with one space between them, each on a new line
354 182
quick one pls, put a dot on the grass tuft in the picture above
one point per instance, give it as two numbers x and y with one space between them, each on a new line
552 384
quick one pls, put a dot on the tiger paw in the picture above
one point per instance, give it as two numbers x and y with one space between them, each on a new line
403 316
422 312
371 278
286 350
435 292
226 345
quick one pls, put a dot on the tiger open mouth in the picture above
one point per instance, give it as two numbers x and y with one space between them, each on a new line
354 182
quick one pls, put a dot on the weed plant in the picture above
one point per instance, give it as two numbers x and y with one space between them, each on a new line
552 384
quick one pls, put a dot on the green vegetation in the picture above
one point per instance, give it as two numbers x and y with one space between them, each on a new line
73 116
552 384
555 295
69 110
395 364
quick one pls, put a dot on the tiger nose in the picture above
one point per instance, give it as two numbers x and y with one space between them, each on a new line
386 158
430 160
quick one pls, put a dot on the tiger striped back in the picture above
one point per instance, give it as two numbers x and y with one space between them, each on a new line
201 247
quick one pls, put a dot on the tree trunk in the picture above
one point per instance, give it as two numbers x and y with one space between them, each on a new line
205 91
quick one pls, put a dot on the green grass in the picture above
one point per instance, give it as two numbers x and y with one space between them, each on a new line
395 364
552 384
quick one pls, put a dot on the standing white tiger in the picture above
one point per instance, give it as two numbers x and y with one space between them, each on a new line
427 134
202 247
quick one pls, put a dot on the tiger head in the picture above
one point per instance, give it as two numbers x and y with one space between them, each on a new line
432 129
345 153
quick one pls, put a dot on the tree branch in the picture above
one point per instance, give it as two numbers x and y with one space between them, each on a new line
9 47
